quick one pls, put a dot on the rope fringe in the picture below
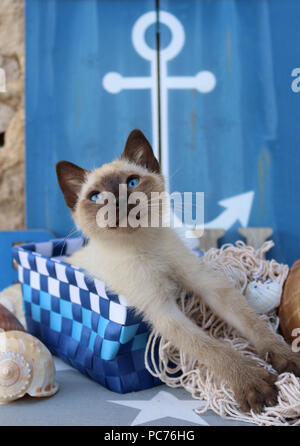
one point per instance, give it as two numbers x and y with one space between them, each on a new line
240 264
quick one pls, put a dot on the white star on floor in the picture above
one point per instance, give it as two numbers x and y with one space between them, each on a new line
162 405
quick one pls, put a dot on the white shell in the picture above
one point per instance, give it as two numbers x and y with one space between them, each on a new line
26 366
263 296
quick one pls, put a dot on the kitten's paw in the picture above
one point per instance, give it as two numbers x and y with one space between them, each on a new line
256 389
283 359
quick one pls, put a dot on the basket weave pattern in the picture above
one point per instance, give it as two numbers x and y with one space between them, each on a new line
80 320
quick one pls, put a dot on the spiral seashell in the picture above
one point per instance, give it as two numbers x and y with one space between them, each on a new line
263 296
26 366
15 376
8 321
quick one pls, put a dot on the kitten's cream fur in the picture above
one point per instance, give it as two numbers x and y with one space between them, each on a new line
149 266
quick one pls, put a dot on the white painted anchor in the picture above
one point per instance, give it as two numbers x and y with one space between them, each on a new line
204 81
238 207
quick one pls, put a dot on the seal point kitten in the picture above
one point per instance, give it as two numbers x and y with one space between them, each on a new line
150 265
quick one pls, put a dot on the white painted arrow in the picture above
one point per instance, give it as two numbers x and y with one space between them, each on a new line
237 208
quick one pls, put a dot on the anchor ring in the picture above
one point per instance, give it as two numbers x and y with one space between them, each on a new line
146 20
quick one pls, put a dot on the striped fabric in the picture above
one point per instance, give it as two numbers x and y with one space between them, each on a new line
79 319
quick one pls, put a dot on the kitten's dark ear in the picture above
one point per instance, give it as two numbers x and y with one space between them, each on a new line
139 151
70 178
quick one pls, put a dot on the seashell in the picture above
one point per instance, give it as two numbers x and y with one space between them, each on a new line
8 321
6 302
11 298
263 296
26 366
289 310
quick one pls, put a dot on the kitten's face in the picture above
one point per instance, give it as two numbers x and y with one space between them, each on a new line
99 205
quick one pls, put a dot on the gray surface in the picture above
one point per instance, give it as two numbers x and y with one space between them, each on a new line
80 401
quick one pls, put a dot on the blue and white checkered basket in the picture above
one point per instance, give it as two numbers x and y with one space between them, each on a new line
80 319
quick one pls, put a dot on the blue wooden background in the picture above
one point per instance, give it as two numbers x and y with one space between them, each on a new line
242 136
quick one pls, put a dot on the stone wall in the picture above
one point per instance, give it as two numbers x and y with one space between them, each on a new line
12 115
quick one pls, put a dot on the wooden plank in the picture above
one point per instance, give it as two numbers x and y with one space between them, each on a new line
70 46
243 136
240 137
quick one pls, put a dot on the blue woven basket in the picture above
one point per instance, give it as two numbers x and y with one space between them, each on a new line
79 319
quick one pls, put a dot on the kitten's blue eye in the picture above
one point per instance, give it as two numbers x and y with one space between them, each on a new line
96 197
133 182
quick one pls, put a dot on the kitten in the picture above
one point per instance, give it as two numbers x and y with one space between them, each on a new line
149 265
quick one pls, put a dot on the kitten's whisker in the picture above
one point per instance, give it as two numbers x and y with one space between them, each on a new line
72 232
169 177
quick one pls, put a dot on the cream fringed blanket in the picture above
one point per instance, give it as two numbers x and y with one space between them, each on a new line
240 264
